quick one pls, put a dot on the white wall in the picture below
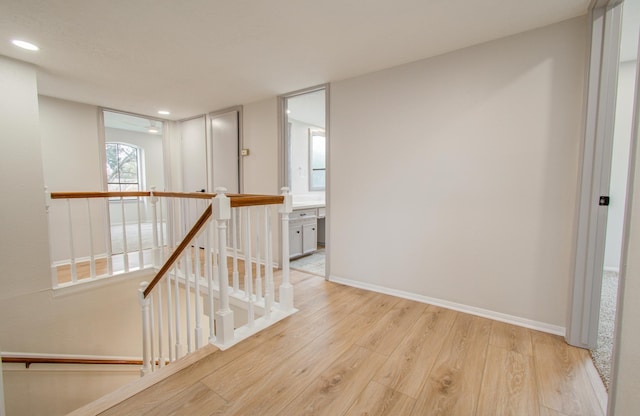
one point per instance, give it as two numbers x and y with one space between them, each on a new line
260 136
464 167
620 164
101 321
24 243
71 163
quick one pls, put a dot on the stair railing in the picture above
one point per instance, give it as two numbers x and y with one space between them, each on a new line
207 283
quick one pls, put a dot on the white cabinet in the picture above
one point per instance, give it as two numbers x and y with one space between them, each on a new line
309 237
303 232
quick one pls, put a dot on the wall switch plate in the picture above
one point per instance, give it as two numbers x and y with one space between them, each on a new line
244 152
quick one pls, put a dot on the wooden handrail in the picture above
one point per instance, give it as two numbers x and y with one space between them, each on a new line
181 247
237 200
27 361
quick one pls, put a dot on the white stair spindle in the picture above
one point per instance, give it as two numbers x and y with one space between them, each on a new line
224 315
146 351
160 328
234 239
179 346
92 257
198 311
248 269
258 253
140 255
169 317
72 253
155 251
268 269
187 295
163 225
208 264
152 332
107 236
125 254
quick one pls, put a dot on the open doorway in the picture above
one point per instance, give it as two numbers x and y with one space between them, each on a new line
602 352
305 142
134 161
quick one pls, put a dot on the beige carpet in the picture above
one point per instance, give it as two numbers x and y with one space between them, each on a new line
313 263
602 353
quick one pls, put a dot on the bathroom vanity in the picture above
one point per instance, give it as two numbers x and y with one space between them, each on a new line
306 228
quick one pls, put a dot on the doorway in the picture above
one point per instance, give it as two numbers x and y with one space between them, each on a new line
134 161
304 138
622 131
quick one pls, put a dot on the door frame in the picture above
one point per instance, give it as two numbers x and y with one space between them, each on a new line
605 23
283 158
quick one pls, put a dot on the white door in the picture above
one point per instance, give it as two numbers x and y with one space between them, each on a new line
225 144
194 155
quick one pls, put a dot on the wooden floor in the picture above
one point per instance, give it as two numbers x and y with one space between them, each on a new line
354 352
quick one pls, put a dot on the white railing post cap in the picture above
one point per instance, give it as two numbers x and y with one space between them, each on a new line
221 205
287 204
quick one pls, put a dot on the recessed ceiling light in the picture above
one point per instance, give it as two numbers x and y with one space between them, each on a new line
152 130
25 45
164 112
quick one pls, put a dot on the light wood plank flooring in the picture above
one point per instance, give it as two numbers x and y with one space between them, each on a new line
354 352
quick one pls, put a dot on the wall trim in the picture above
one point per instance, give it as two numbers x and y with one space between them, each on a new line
472 310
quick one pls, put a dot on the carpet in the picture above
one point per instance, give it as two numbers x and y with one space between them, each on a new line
313 263
601 355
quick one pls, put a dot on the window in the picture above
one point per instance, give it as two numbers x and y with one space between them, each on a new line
317 160
123 167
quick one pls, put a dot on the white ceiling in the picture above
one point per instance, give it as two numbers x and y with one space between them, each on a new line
197 56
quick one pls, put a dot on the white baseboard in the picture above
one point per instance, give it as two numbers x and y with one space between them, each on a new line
472 310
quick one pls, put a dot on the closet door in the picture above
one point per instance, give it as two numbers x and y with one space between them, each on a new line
224 150
194 155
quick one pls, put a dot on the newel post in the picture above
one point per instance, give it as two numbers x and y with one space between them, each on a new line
224 315
146 349
286 289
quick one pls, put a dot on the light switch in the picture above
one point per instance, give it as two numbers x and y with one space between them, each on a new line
244 152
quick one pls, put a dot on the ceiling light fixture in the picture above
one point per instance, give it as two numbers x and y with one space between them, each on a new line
152 130
25 45
164 112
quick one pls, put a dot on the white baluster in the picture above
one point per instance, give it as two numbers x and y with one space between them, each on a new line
125 255
163 225
72 253
258 251
169 318
209 272
187 294
179 346
234 230
248 269
152 331
268 267
196 260
160 326
224 315
155 252
92 258
107 236
286 289
140 255
146 353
